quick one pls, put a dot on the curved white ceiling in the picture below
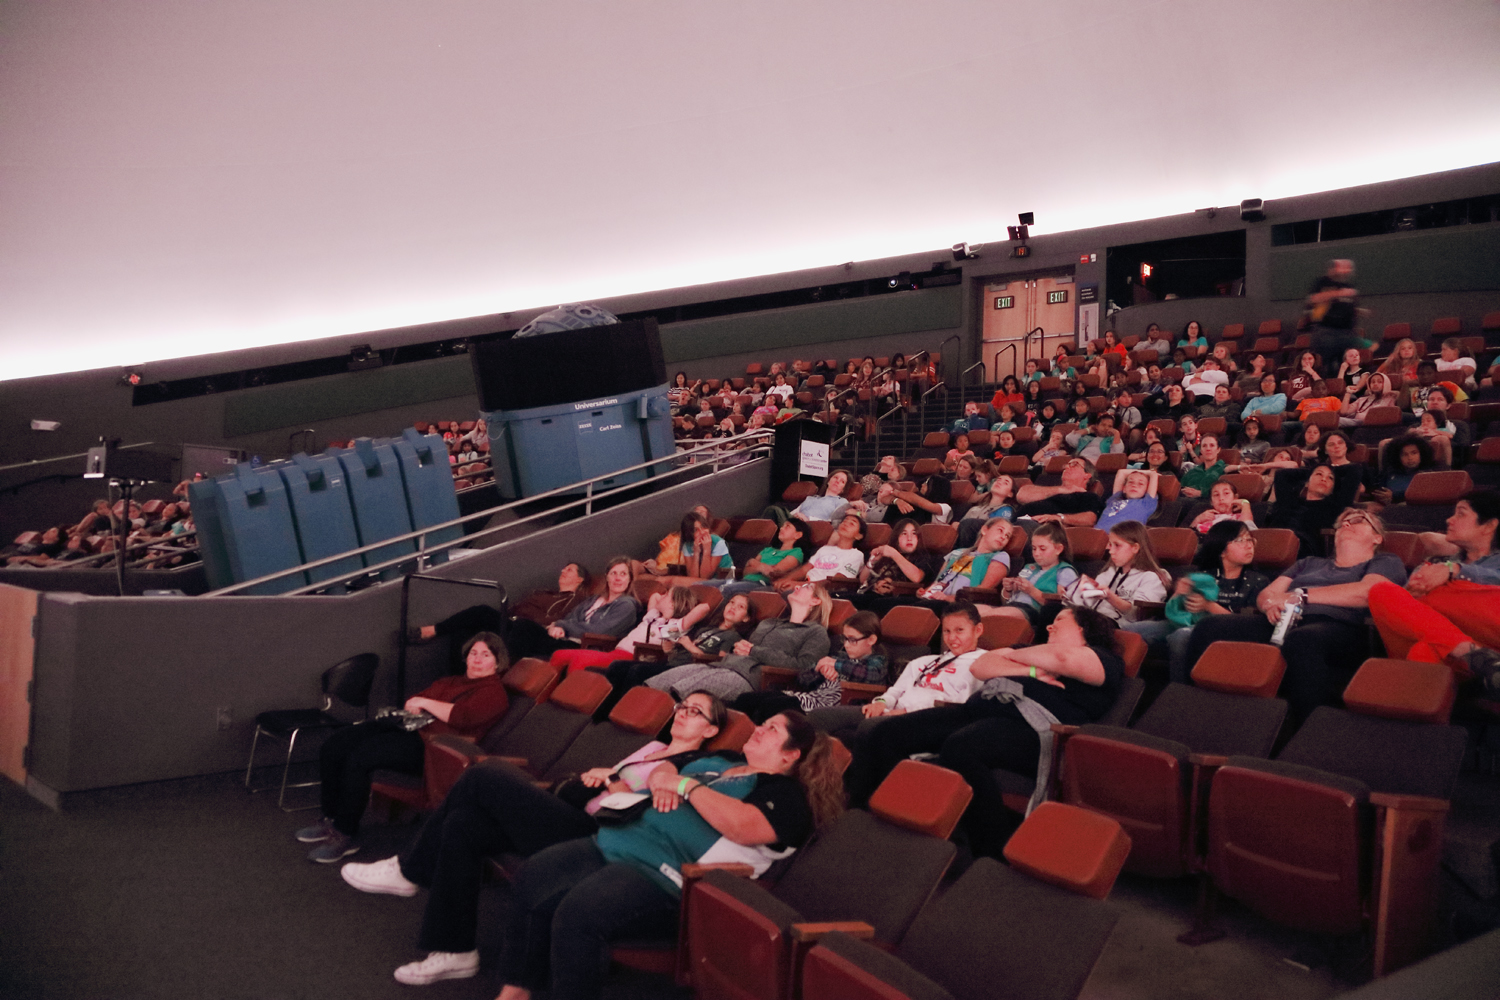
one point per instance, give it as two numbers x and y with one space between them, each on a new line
180 177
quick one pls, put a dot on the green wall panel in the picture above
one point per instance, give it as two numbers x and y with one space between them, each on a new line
878 316
251 411
1456 259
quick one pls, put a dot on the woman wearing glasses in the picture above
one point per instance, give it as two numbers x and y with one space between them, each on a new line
797 641
497 808
571 901
861 660
1329 642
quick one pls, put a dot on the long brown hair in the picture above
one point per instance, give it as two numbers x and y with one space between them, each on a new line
1134 532
817 771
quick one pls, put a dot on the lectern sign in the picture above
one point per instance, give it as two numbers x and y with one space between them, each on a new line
813 460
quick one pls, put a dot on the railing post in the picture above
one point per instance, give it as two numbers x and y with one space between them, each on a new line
588 499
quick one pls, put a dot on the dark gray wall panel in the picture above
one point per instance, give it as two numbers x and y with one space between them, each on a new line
128 688
878 316
295 404
1456 259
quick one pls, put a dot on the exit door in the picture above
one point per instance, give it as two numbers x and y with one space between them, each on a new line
1013 309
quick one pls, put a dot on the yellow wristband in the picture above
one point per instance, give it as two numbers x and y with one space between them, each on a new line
1033 672
682 786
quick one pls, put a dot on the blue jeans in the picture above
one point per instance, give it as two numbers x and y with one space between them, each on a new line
567 906
1159 633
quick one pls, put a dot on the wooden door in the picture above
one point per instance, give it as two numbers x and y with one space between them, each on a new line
1012 309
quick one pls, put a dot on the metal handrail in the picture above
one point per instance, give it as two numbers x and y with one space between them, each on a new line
63 458
752 440
996 361
945 344
115 553
963 376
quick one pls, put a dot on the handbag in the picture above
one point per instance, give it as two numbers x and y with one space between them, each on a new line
620 808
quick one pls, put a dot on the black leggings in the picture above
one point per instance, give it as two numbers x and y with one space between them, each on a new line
493 808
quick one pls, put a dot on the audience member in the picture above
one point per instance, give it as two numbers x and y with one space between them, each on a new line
1223 585
497 808
1006 723
797 642
1132 575
1133 498
1329 641
467 705
1447 611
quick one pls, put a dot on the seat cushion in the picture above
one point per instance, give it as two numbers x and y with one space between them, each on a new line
861 868
1386 755
1213 722
998 926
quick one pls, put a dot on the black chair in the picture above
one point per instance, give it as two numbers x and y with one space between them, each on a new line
349 682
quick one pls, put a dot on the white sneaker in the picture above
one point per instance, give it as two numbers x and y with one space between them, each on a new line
379 876
439 965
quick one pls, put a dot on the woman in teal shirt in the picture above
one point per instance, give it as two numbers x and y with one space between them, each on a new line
1192 336
571 901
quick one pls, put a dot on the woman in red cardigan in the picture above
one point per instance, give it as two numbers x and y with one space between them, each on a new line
468 705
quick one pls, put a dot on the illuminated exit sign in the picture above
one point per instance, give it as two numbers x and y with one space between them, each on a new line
1057 298
1005 301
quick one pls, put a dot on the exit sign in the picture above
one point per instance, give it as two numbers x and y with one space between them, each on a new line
1005 301
1057 298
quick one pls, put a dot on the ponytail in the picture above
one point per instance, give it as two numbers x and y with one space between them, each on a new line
821 775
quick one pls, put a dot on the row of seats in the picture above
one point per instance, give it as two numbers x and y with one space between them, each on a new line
1195 767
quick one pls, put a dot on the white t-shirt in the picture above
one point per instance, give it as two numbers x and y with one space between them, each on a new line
831 560
931 679
1202 383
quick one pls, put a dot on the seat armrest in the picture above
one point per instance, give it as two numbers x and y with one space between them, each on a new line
811 933
1059 729
981 595
1409 803
694 870
852 691
603 643
707 657
459 746
777 678
1150 610
1207 759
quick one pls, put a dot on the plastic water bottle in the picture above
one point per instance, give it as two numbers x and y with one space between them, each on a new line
730 578
1290 613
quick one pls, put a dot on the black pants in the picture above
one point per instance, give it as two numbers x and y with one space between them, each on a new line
973 739
1321 654
1330 343
761 705
526 638
568 905
493 808
348 759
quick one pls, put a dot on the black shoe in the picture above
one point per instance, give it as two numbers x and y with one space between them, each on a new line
1485 665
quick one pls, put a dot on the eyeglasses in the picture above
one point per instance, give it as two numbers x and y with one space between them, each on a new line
856 637
1349 519
683 708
